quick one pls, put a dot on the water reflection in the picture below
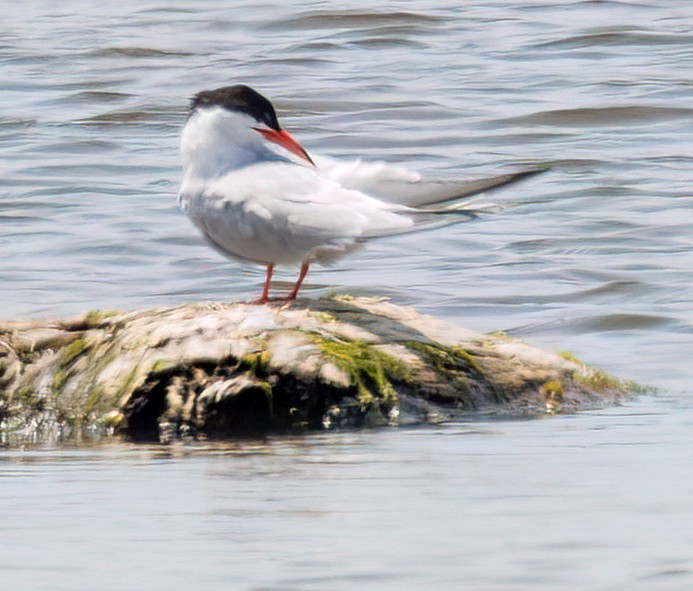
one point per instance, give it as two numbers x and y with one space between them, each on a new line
570 501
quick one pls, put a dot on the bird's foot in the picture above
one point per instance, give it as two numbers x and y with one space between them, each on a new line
261 301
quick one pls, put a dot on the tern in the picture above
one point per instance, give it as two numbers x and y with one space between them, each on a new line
257 195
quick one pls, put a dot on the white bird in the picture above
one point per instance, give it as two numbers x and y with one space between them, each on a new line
257 195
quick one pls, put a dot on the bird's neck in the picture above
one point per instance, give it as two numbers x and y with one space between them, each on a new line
213 144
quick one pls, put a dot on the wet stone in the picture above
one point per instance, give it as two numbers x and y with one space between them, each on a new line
230 370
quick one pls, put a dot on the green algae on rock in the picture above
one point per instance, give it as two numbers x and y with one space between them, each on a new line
221 370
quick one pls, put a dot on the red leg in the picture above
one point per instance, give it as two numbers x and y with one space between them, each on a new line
299 282
264 298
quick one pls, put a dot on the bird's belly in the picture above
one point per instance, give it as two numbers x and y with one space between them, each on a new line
241 234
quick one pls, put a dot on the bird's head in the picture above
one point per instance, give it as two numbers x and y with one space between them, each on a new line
237 117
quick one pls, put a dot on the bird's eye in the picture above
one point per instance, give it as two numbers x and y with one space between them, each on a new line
269 121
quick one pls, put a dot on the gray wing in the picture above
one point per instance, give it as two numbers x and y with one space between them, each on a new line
400 185
434 193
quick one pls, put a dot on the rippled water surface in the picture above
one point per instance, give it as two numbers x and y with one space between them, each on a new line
594 256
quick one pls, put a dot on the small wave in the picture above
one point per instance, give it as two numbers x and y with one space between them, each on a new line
376 42
339 19
155 115
155 10
617 38
619 286
296 61
606 115
611 322
16 124
137 52
595 324
94 96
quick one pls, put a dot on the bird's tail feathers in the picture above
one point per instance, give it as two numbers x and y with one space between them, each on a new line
455 204
429 218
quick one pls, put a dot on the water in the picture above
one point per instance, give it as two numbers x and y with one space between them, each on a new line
594 501
594 257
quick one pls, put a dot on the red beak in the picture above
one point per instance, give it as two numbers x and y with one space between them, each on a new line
283 138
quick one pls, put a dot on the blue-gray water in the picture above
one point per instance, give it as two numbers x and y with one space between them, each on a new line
594 257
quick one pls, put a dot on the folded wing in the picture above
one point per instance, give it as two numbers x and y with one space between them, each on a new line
400 185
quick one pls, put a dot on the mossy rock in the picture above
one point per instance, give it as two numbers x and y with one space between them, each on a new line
227 370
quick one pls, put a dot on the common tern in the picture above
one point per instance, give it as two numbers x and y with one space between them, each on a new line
257 195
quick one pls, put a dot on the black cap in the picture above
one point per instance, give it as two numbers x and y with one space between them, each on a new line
238 98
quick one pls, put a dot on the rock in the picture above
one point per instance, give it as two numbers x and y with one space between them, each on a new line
224 370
